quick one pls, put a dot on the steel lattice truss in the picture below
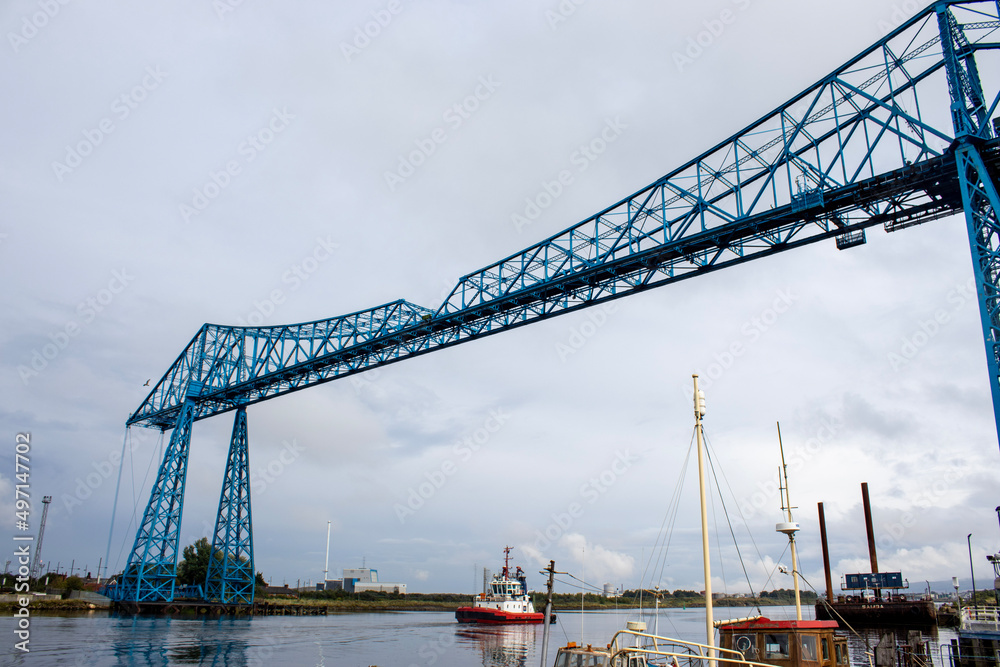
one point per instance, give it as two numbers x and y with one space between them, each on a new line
884 140
152 565
230 576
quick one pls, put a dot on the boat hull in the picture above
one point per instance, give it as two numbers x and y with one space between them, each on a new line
497 617
880 613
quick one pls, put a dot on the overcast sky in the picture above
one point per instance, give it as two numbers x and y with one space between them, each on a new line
168 164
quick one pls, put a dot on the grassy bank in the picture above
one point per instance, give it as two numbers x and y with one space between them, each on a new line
50 605
346 603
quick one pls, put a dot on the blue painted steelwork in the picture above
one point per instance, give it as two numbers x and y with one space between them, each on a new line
230 576
150 573
870 144
978 180
898 136
979 194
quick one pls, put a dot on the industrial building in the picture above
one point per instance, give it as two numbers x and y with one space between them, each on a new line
359 580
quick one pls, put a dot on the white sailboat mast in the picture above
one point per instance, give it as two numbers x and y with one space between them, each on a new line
699 412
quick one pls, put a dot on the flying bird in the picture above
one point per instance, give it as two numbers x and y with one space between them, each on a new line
147 383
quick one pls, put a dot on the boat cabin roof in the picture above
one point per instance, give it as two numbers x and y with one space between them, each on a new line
764 623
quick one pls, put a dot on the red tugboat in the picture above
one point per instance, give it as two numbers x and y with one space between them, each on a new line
507 602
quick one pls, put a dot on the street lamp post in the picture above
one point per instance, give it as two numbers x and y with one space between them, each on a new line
972 569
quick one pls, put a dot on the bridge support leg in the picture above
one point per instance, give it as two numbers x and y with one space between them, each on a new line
982 207
230 577
151 571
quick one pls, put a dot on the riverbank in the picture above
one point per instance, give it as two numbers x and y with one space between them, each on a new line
54 605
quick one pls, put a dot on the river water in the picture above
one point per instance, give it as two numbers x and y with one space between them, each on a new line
390 639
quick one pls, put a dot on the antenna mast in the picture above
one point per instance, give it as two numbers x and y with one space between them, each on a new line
41 533
788 527
326 568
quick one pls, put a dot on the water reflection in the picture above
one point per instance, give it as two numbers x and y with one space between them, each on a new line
501 645
156 642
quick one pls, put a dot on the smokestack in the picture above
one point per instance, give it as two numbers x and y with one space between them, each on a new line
868 527
826 554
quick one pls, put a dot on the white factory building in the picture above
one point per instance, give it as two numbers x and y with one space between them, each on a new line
361 579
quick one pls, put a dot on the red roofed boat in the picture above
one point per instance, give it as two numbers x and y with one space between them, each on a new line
785 643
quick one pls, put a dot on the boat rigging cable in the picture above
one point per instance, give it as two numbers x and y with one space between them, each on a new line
667 526
670 518
715 522
756 598
665 534
826 603
746 575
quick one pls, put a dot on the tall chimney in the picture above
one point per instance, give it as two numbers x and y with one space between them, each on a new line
826 554
868 527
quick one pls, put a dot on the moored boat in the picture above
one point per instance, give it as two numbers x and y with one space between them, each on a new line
785 643
978 642
633 647
743 642
507 600
792 643
874 598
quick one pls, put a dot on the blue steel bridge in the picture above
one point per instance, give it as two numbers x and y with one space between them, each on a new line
900 135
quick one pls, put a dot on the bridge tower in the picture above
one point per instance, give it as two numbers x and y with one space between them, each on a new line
150 575
230 577
978 183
